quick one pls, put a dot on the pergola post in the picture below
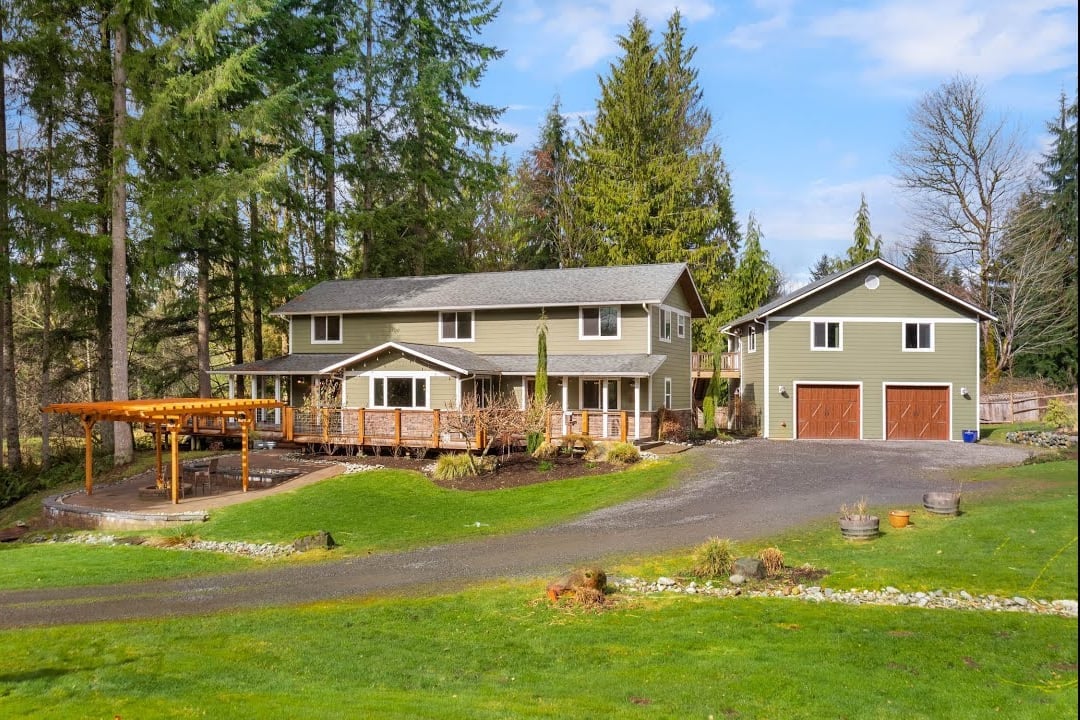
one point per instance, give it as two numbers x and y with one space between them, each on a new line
174 460
160 479
245 426
88 428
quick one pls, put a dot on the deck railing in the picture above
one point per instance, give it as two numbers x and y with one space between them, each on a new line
703 363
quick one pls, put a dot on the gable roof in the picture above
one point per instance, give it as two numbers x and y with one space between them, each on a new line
625 284
780 303
458 360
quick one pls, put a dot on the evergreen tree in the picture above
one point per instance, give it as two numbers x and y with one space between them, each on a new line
544 177
651 184
865 245
8 389
755 279
925 261
824 266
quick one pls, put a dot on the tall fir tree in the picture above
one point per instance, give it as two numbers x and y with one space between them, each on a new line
865 245
651 183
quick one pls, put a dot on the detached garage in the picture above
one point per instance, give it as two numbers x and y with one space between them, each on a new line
917 412
869 353
828 412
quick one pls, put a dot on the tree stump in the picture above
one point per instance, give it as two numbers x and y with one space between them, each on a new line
583 578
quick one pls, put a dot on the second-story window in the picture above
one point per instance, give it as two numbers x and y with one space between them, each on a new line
456 326
826 336
600 322
918 336
665 325
326 329
751 341
681 321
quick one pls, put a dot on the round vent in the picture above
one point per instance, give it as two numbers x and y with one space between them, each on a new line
872 282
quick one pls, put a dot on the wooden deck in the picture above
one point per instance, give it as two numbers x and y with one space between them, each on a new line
702 365
414 429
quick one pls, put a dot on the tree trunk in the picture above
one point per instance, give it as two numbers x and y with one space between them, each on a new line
123 448
9 406
237 292
203 339
46 396
256 285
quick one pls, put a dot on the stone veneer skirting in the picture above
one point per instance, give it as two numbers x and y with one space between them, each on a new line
59 514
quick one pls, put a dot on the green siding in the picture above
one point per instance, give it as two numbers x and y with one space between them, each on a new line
677 364
895 297
753 370
872 354
495 331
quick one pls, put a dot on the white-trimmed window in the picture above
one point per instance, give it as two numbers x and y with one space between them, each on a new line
325 329
601 322
456 326
484 390
665 325
826 335
751 340
599 394
680 321
393 391
667 393
918 337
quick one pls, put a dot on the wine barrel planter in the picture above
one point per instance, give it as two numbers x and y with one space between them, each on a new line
899 518
942 503
863 527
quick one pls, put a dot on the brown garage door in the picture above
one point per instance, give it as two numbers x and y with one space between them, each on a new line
828 411
916 413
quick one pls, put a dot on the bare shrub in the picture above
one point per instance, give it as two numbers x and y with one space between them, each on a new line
773 560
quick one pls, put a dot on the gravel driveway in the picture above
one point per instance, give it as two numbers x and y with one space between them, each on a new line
737 491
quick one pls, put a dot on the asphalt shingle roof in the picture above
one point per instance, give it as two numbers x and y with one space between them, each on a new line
524 288
627 365
296 364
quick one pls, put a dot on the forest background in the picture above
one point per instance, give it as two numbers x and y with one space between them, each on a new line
181 168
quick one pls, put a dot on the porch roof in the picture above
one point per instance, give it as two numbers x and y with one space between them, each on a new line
632 365
295 364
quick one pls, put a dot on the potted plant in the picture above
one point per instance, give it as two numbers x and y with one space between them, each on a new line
856 523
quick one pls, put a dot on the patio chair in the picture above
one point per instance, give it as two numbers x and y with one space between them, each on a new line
205 477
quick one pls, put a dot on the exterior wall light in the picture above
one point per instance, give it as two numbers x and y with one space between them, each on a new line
782 390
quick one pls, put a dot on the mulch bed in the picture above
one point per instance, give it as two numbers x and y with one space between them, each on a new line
514 470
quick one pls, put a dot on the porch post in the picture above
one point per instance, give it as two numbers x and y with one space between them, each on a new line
277 396
174 459
245 425
565 401
637 408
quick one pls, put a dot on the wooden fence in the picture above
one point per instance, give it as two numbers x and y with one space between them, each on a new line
1018 406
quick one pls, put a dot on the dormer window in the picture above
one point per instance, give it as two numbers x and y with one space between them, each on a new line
325 329
600 322
456 326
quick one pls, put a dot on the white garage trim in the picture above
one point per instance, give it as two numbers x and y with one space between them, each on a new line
885 407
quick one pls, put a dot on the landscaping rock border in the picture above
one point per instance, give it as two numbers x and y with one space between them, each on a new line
936 599
1041 438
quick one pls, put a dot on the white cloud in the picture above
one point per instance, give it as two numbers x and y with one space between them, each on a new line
567 36
802 223
755 35
991 38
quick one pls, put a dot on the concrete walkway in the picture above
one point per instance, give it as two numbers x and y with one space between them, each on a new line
739 491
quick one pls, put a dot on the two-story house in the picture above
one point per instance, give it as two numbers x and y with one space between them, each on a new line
618 339
872 352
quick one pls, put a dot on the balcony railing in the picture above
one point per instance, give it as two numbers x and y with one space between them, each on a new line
702 364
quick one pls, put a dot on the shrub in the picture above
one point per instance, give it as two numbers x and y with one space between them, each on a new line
545 451
672 430
577 441
545 466
708 411
714 558
453 466
532 441
773 560
623 453
598 452
1059 414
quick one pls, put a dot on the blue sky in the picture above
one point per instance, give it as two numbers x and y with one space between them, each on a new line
809 99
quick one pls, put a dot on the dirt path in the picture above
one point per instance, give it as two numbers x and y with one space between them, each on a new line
741 491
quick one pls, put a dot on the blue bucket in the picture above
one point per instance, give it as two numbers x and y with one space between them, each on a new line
971 436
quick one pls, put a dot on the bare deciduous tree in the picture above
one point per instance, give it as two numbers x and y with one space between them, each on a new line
966 170
1030 296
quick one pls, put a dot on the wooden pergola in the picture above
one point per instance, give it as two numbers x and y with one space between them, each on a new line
166 415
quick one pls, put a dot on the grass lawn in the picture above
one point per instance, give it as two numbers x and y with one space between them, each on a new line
365 512
494 652
1019 539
